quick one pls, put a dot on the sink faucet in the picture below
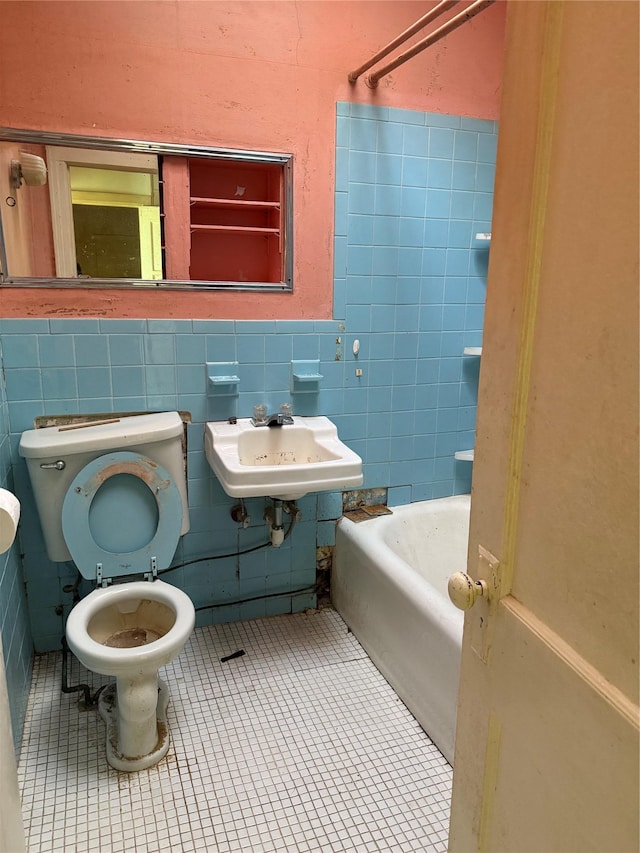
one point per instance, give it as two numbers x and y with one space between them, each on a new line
278 419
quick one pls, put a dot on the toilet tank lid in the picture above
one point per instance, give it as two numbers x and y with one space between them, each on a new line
106 434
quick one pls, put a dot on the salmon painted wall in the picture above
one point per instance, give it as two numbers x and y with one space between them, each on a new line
257 75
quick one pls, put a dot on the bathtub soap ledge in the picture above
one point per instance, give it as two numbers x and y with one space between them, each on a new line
464 455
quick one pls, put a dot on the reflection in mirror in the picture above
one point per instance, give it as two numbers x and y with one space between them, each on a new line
105 214
121 213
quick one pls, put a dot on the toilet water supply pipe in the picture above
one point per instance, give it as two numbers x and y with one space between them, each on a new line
431 15
89 701
470 12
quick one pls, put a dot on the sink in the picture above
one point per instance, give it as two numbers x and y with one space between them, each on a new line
282 462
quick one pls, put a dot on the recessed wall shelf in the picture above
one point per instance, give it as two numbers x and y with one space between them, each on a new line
237 220
472 351
234 203
236 229
464 455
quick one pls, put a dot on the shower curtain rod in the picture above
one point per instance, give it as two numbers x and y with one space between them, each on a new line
431 15
471 11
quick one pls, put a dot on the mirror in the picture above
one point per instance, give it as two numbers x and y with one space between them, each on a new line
122 213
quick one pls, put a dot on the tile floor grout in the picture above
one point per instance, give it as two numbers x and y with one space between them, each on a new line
300 745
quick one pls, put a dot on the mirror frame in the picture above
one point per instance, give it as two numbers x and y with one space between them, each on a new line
9 134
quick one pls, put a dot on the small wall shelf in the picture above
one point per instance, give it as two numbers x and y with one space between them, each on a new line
472 351
483 237
222 381
464 455
305 376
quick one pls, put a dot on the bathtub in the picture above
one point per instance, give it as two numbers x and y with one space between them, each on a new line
389 584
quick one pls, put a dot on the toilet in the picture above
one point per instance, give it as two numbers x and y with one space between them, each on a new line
112 496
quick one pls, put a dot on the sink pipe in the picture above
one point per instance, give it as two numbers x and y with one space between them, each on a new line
273 517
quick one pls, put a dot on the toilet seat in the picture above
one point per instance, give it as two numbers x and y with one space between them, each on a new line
96 562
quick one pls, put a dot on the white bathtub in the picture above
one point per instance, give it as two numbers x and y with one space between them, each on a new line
389 584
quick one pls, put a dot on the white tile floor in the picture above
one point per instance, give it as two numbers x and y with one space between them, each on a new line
299 745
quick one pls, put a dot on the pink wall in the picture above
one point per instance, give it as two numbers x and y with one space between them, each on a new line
255 74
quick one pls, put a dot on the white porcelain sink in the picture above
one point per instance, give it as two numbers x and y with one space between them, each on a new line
282 462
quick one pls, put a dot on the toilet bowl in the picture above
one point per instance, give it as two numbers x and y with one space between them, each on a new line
129 631
112 497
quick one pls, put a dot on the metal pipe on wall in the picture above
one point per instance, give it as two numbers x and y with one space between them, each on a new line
471 11
431 15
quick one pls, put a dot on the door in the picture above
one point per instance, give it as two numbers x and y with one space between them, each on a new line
95 196
11 831
547 741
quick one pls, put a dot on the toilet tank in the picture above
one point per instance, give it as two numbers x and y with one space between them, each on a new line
158 436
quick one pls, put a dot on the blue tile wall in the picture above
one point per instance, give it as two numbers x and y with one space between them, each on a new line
14 620
137 366
412 189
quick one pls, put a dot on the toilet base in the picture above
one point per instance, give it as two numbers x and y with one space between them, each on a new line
108 709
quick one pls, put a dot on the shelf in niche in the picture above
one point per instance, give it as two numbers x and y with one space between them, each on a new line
472 351
236 219
236 229
237 204
464 455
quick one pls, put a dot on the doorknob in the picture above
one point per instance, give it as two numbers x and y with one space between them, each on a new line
464 591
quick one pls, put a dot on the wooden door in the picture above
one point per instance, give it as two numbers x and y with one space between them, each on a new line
547 742
11 830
